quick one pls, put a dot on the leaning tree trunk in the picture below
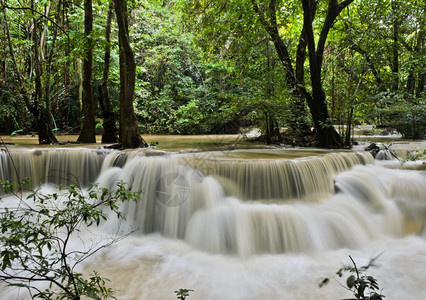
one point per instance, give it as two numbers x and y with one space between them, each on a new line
110 130
88 130
129 136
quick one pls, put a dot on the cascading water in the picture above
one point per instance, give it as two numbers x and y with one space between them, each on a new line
5 166
386 154
248 229
58 166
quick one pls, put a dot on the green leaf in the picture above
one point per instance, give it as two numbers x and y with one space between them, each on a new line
324 282
350 281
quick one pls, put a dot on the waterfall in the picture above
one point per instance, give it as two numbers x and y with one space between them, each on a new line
370 202
283 179
275 179
278 206
58 166
386 154
236 228
5 166
244 207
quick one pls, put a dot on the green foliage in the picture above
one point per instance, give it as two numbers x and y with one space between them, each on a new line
61 91
35 238
416 155
13 115
251 89
375 66
178 91
16 132
181 294
404 113
203 65
363 286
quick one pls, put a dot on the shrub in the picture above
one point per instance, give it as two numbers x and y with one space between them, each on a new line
35 234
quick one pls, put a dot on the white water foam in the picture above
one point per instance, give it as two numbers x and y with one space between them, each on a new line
223 247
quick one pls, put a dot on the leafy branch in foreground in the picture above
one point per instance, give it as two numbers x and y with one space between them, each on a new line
181 294
362 286
36 234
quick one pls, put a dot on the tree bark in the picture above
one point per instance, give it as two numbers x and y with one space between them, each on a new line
327 136
88 130
129 136
110 130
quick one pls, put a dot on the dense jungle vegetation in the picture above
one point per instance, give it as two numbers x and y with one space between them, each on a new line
301 71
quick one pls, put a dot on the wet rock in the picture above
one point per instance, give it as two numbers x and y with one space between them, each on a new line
373 149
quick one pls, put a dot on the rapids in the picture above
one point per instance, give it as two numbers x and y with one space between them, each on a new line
230 227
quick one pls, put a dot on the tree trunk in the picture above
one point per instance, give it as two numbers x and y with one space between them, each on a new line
88 131
41 114
298 106
46 114
327 136
129 136
395 46
413 80
41 111
110 130
421 73
349 127
298 110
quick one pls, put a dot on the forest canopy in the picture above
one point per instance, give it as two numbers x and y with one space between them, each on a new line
298 70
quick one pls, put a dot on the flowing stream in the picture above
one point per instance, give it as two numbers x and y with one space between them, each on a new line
232 227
